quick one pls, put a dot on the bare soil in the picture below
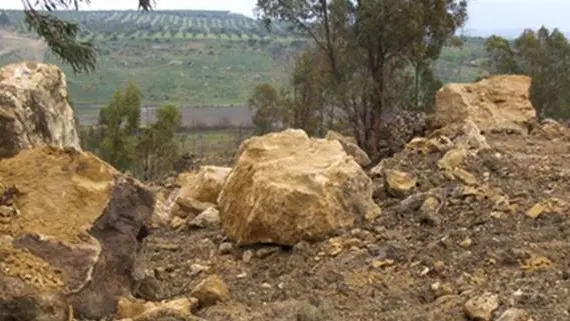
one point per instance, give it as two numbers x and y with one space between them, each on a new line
403 267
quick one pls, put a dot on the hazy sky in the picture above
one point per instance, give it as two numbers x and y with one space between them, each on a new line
484 14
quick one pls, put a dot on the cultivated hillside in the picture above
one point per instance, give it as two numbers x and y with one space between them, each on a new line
192 58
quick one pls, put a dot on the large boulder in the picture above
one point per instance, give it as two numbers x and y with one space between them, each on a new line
34 109
496 103
287 187
71 229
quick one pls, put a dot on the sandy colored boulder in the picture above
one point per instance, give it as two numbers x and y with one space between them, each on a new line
496 103
210 291
287 187
204 185
350 147
79 223
34 109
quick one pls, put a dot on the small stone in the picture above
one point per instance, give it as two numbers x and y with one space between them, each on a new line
398 183
464 176
210 218
211 290
442 289
428 211
481 308
438 266
266 285
226 247
466 243
514 314
381 263
266 251
196 269
177 222
247 256
241 275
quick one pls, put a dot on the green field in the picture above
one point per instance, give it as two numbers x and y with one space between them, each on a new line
192 58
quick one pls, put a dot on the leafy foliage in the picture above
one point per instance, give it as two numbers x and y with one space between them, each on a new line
264 103
545 57
374 51
149 152
120 122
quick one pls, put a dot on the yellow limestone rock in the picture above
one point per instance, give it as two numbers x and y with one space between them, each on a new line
34 109
287 187
497 103
398 183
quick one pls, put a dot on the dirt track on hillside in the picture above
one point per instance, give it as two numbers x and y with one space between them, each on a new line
404 267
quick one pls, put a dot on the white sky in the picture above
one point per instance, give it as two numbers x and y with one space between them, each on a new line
484 14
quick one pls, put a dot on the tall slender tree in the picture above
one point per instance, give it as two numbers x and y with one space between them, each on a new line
372 48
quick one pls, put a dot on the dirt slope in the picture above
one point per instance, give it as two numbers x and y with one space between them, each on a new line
405 267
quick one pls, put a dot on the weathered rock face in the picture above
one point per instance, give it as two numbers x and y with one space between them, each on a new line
287 187
34 110
350 147
73 231
205 185
496 103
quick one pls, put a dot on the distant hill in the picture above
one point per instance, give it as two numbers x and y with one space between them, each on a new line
163 24
189 58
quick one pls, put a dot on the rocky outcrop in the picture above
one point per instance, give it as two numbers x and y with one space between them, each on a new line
350 147
498 103
34 109
71 236
287 187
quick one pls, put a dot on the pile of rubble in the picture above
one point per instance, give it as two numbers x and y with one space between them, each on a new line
467 223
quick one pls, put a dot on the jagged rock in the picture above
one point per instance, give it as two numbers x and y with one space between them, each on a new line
204 185
139 310
210 291
398 183
430 145
177 222
210 218
165 202
551 205
287 187
34 110
185 207
77 234
350 147
551 129
496 103
481 308
514 314
454 158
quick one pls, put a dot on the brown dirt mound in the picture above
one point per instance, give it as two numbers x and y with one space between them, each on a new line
401 267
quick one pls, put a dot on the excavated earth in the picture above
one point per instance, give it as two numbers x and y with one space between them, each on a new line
404 266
